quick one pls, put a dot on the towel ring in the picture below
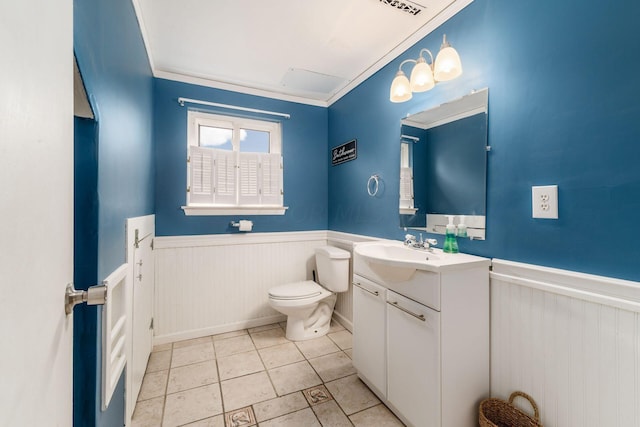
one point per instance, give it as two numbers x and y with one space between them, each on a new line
376 185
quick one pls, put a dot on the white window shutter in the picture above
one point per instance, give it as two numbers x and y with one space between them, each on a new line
200 175
406 188
225 177
248 188
271 179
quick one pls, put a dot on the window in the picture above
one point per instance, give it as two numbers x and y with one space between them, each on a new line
234 166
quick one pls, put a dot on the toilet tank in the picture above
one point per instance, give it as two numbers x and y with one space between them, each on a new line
333 268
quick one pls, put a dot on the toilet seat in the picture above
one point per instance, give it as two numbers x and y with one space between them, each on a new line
297 291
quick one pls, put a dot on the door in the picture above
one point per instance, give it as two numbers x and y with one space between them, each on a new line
36 212
140 237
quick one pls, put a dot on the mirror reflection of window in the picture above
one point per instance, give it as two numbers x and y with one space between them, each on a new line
406 178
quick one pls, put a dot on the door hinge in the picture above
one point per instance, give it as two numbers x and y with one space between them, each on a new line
152 243
151 324
188 189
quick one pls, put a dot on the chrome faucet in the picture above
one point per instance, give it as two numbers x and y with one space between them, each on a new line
410 241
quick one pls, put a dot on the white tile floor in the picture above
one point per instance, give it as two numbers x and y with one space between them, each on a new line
257 377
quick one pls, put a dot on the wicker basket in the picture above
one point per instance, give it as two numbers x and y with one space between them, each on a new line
498 413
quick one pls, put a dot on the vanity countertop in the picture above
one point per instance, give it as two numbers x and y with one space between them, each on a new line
393 254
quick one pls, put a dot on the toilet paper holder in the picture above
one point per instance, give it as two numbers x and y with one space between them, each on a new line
242 225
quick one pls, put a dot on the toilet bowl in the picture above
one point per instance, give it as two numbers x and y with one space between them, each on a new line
309 305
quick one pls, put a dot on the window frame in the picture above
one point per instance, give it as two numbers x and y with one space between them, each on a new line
196 119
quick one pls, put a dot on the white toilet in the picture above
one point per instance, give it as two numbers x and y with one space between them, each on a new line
308 305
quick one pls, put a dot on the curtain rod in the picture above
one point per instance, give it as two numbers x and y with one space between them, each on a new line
413 138
182 101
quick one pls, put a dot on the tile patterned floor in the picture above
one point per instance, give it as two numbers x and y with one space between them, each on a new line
256 377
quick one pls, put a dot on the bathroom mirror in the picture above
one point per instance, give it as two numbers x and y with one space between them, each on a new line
443 166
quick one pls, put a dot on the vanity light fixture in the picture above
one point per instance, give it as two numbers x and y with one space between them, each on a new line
424 76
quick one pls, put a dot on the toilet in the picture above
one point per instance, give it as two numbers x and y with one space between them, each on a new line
309 305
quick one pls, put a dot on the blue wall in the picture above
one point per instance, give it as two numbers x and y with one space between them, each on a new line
563 110
113 62
85 268
304 149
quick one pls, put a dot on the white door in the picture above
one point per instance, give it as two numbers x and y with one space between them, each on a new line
36 211
140 235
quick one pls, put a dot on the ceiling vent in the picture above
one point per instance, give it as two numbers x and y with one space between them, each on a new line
405 6
311 81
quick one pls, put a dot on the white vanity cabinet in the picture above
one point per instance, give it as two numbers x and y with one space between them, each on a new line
424 347
369 333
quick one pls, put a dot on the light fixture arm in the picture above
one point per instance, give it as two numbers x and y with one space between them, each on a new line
406 61
445 43
429 52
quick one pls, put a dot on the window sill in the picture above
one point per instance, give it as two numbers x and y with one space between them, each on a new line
233 210
408 211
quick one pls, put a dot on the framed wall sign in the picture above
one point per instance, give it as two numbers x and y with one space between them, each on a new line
344 153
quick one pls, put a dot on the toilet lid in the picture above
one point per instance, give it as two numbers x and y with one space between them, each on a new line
297 290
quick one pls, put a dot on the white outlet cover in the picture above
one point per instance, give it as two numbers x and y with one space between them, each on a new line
544 201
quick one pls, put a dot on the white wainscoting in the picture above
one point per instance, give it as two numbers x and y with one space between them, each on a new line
570 340
344 305
218 283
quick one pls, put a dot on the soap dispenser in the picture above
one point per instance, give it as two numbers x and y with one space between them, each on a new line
462 227
450 243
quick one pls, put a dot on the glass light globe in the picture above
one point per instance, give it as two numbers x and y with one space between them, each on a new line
422 77
400 88
448 65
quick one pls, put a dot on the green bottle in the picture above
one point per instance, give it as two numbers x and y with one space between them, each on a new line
450 243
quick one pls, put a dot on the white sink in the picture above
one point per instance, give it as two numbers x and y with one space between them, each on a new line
395 261
392 253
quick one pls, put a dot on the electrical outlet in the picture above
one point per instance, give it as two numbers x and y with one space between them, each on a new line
544 201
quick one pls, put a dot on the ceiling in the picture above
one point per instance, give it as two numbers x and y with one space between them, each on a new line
311 51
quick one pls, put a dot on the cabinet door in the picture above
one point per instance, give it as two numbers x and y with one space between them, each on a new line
369 326
413 360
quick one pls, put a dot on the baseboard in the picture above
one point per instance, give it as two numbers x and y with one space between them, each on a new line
343 321
220 329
